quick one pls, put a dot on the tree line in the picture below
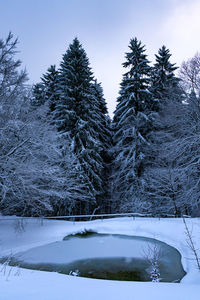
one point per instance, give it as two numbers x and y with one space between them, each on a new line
61 154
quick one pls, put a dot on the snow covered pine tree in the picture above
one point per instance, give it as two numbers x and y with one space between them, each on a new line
163 175
131 124
79 116
47 89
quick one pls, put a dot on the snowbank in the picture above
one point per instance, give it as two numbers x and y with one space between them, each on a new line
27 284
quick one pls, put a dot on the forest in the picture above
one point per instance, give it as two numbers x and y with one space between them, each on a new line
61 154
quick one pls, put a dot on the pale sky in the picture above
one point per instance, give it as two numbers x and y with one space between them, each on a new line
104 27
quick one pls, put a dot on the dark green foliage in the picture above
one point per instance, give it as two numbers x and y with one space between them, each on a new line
50 81
105 138
163 177
148 155
47 89
163 79
38 94
74 88
78 115
131 125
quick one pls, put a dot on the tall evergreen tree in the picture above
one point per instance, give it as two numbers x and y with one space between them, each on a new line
38 98
77 115
105 137
163 78
50 82
164 87
47 89
163 176
131 125
37 177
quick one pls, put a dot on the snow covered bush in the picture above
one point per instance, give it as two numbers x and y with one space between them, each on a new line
37 175
152 255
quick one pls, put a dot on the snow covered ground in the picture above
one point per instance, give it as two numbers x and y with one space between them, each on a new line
25 284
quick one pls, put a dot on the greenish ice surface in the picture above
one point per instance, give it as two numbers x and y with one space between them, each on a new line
104 256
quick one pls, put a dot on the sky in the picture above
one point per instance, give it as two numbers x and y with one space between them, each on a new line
45 29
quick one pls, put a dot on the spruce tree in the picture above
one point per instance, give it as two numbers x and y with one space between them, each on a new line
163 79
50 82
105 137
47 89
131 125
162 176
38 98
76 115
164 88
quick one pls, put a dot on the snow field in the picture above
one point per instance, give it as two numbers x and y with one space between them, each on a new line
27 284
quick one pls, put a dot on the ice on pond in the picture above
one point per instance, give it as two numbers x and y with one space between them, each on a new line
106 256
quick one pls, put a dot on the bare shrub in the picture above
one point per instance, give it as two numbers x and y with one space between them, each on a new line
152 255
191 243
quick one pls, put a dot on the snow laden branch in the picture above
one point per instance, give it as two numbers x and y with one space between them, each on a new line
191 243
12 151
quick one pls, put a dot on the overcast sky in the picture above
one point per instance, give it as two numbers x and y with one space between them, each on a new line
46 27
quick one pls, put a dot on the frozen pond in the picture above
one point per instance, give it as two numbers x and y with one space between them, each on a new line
105 256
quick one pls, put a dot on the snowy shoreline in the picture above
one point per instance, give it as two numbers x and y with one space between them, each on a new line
44 285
